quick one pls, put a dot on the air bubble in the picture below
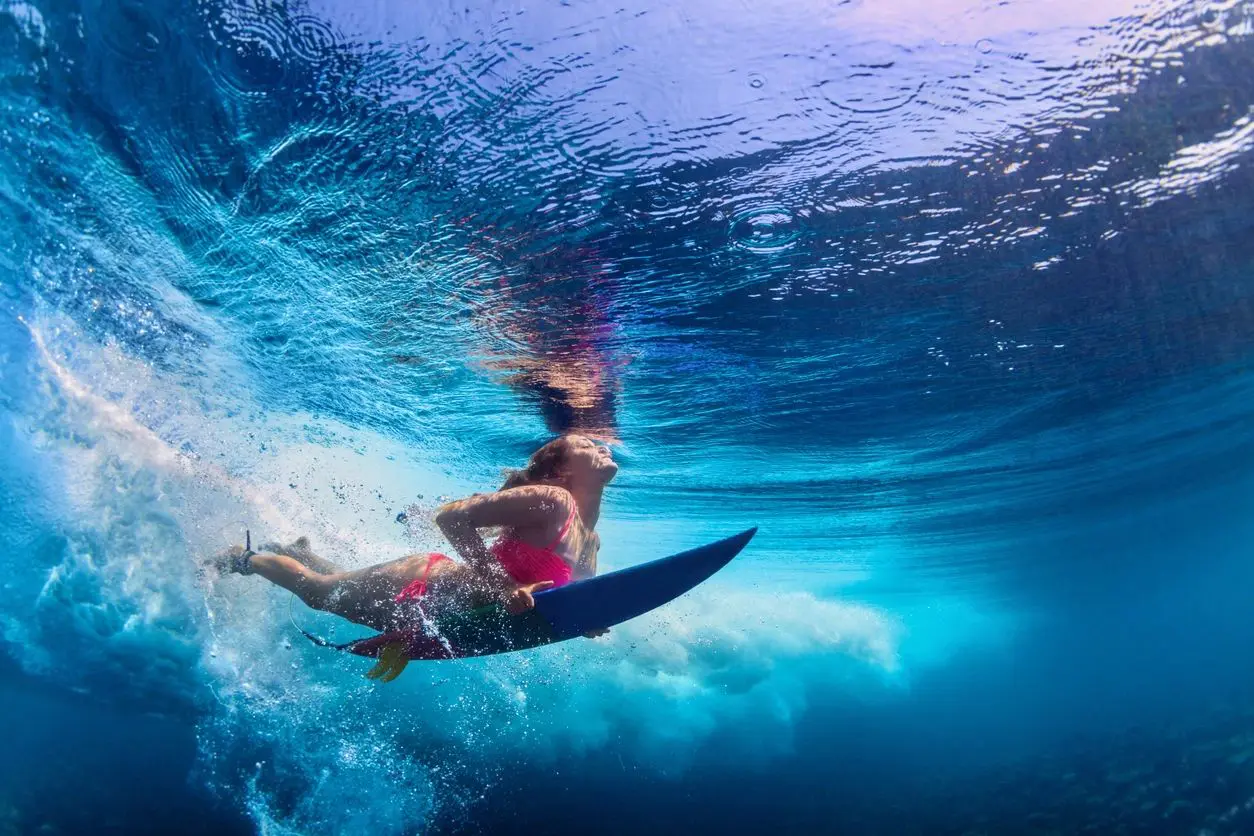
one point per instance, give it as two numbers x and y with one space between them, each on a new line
765 229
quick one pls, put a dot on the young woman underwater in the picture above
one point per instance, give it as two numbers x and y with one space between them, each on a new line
546 512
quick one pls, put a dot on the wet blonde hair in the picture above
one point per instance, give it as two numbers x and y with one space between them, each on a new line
545 465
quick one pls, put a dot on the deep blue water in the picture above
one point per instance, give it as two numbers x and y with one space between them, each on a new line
954 300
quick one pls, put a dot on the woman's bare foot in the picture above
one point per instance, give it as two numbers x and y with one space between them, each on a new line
233 561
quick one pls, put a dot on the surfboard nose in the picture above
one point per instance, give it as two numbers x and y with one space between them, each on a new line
607 600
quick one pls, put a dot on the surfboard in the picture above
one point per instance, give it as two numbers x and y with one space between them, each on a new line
561 613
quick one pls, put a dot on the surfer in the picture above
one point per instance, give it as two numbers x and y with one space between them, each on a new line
546 513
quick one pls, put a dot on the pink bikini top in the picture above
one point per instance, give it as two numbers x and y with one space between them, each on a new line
531 564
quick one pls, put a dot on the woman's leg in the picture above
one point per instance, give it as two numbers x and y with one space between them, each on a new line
303 554
365 596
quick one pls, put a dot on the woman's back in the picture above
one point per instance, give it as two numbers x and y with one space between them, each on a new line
528 563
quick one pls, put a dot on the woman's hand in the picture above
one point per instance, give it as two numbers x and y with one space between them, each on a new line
520 599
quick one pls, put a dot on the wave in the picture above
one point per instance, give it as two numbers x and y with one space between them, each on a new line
120 608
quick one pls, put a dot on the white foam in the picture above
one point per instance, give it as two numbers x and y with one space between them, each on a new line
659 687
655 691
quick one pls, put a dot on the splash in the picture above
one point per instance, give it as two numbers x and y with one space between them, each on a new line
286 727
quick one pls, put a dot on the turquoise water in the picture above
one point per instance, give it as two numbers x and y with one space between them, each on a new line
955 301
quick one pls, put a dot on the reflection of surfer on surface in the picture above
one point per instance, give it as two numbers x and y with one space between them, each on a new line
558 327
547 512
573 385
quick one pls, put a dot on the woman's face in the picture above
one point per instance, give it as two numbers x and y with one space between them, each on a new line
586 460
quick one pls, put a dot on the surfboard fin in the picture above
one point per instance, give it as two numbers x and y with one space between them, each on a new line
392 662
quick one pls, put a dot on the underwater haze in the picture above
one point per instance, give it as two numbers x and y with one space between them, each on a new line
953 299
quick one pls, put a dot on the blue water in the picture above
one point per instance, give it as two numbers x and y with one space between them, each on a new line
955 300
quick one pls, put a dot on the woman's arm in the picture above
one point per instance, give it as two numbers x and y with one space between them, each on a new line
587 568
532 506
587 565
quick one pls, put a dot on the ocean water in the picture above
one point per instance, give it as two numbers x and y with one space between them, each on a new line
954 300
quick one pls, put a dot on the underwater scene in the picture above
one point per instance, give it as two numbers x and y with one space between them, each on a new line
463 336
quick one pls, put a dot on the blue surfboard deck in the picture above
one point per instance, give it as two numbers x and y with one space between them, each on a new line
562 613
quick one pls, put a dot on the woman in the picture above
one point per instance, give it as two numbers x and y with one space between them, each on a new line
547 513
